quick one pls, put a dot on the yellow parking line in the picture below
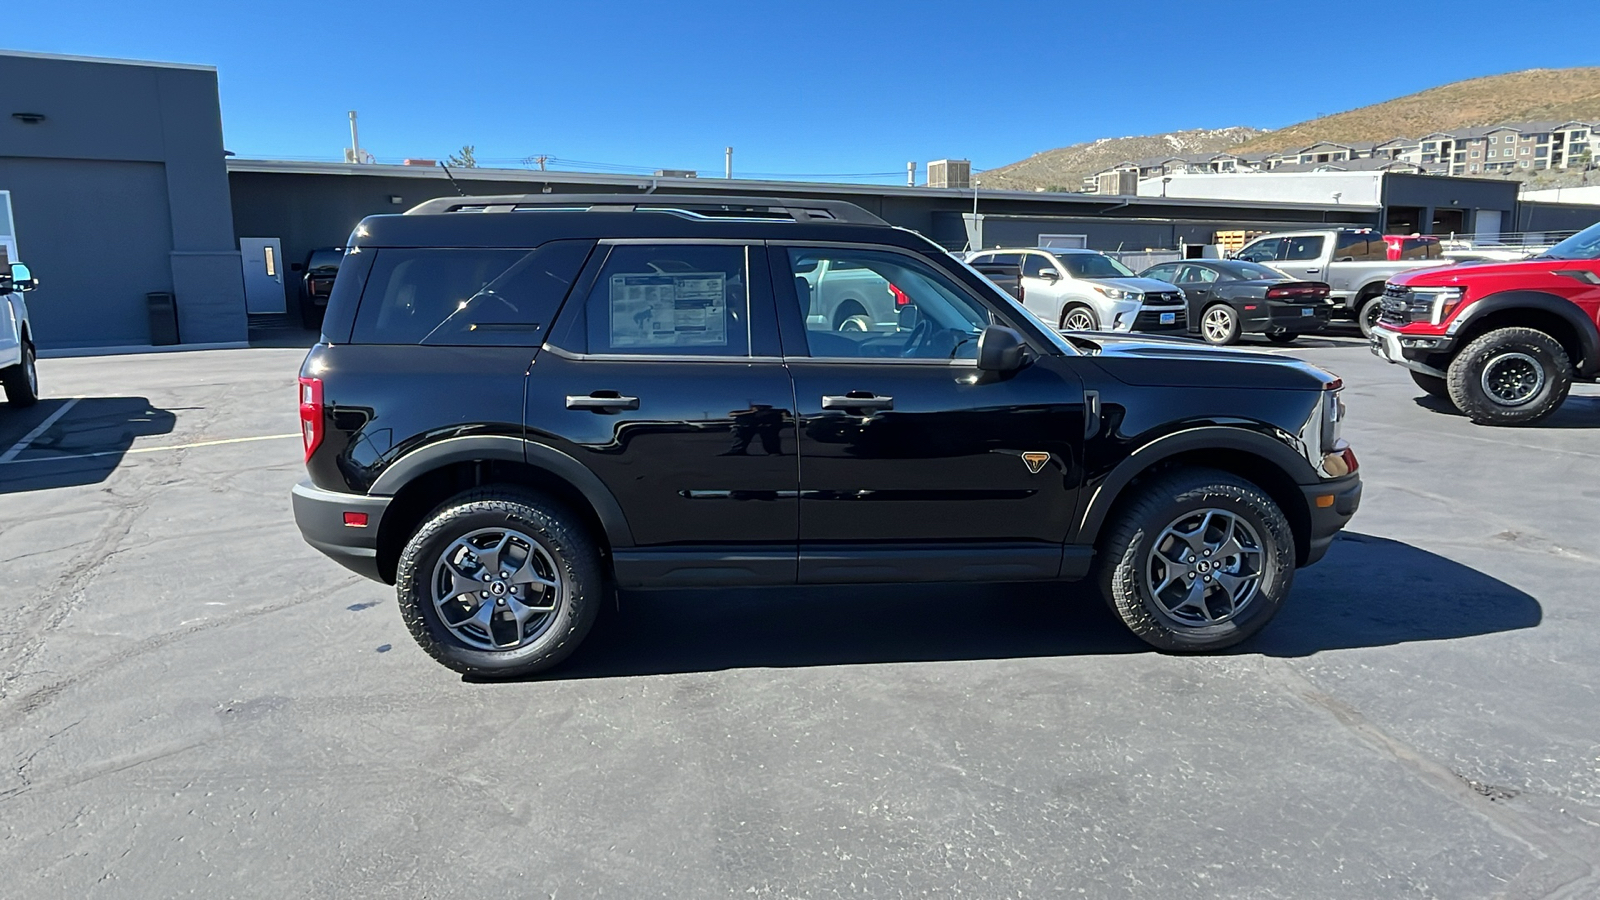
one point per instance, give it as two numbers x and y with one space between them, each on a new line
243 440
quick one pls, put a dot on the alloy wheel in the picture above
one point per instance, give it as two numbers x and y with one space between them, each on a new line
1217 324
1078 320
496 589
1512 379
1205 567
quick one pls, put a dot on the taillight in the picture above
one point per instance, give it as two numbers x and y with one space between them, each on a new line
900 298
311 414
1297 291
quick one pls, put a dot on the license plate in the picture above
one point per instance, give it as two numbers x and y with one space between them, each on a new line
1308 312
1169 318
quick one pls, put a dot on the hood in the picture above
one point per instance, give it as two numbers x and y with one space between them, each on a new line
1472 269
1149 361
1142 285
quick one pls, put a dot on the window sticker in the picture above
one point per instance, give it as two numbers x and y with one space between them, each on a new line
683 309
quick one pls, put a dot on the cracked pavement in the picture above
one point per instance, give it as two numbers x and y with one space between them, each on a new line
192 701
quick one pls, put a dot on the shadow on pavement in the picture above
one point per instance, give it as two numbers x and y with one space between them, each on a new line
85 446
1575 412
280 330
1369 592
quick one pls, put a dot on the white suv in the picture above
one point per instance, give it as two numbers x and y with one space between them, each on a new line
17 369
1081 290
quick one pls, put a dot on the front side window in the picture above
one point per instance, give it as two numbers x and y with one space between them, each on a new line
1197 275
1165 272
1034 266
911 310
674 299
1304 248
466 297
1262 251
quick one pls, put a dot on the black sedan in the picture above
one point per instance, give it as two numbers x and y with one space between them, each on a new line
1230 297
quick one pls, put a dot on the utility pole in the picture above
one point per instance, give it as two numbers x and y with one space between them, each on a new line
727 162
911 174
355 141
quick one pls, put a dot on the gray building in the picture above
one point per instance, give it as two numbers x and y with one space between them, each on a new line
114 179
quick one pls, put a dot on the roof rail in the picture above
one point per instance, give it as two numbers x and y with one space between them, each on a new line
703 206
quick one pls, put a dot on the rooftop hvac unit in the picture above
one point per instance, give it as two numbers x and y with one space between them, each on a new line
950 173
420 162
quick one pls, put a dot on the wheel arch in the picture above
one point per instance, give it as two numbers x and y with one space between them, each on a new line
840 312
1263 461
1556 316
424 478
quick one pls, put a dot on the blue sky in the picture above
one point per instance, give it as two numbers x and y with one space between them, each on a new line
819 88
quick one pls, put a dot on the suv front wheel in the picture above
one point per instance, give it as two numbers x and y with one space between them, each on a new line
1200 560
1510 376
498 583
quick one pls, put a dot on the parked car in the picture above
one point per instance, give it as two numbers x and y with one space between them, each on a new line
1081 290
316 283
1502 341
1354 262
646 404
19 372
1228 298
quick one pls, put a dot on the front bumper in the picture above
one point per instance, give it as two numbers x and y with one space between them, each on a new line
1411 351
1327 521
321 517
1162 320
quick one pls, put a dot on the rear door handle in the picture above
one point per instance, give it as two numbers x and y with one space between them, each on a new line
601 400
865 400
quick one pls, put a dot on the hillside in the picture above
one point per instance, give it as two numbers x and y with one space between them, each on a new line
1064 168
1533 95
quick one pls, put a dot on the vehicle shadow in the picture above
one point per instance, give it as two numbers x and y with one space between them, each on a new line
84 446
1335 605
1575 412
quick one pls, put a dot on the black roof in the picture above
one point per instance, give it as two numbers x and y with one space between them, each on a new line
527 220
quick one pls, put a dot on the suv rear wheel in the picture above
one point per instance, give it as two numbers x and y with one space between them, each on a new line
22 380
1510 376
1200 560
498 583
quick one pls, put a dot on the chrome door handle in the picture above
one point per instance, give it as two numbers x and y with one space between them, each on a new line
864 400
601 400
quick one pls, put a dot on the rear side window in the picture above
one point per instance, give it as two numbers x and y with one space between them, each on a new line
466 297
677 299
1361 247
1304 248
1412 248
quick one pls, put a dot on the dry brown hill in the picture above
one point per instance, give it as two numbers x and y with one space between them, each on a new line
1064 168
1534 95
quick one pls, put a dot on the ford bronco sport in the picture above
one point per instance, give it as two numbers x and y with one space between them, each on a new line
1502 341
521 402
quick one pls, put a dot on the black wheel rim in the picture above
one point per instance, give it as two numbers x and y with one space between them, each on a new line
1205 568
496 589
1512 379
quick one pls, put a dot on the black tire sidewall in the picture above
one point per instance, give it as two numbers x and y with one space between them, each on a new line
1465 381
1094 320
1372 304
18 390
1165 501
567 545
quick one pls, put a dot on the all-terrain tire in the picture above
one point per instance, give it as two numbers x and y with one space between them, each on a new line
1516 361
559 533
1368 307
1433 384
21 381
1125 557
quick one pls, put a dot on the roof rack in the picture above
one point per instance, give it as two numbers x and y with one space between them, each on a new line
708 207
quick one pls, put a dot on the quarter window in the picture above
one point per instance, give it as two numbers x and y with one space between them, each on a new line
674 299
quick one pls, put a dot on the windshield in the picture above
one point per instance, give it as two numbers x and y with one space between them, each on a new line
327 258
1583 245
1093 265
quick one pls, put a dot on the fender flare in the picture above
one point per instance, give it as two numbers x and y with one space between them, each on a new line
1569 312
1208 437
510 449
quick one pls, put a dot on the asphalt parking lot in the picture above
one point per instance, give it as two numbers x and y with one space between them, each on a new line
192 701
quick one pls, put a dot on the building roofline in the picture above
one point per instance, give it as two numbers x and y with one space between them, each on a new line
672 185
108 60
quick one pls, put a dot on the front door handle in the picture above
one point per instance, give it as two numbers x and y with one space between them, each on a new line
601 400
863 400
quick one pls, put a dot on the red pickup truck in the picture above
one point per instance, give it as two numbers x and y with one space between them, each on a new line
1502 341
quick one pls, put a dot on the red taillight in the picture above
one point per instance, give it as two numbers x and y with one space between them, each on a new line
900 298
1308 290
311 413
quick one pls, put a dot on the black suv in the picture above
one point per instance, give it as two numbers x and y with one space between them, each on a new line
519 403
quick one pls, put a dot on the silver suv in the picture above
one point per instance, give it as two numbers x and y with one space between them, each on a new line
1081 290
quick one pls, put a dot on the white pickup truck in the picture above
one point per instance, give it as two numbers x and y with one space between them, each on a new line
1354 262
18 372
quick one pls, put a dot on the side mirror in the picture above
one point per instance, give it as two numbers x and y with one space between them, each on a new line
1001 350
908 317
1050 275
